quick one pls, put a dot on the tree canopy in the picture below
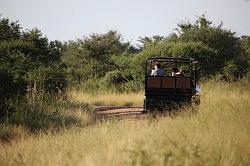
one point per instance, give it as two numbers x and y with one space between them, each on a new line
29 62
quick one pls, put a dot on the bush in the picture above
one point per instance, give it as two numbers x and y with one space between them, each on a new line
135 85
230 62
205 55
90 57
50 80
11 88
113 78
55 81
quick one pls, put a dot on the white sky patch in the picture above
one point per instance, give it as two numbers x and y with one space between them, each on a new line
68 20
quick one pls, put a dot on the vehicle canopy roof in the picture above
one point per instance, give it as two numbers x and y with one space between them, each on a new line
172 59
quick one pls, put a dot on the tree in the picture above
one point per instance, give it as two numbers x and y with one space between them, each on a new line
42 51
9 30
224 42
91 56
146 40
195 50
245 42
22 53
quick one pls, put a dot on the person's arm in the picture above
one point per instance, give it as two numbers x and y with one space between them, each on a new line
177 73
152 72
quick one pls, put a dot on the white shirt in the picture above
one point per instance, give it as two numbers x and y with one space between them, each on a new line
158 72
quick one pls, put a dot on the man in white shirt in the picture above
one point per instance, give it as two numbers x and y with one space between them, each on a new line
157 71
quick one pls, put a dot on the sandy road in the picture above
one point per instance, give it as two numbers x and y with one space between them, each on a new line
119 112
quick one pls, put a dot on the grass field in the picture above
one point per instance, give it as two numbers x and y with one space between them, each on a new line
218 134
108 99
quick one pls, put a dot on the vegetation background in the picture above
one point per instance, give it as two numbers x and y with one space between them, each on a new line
48 88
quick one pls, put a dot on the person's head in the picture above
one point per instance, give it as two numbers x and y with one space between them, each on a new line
175 69
157 66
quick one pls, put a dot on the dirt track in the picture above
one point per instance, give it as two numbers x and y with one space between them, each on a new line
119 112
128 112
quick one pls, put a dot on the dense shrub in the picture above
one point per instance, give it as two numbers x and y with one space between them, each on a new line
221 54
91 56
104 61
51 80
135 85
11 88
230 62
205 55
28 59
113 78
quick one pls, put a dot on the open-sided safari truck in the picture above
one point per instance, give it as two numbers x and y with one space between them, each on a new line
169 90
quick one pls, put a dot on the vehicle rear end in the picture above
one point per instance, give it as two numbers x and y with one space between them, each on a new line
165 92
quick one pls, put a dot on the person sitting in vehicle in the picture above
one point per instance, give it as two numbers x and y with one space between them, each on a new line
183 73
157 71
177 72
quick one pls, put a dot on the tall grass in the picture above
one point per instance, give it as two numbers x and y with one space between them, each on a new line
108 98
38 117
218 134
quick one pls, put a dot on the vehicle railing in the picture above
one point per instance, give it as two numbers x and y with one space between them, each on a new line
169 82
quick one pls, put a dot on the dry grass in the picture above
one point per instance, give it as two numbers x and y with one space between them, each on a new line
40 117
109 99
219 134
10 133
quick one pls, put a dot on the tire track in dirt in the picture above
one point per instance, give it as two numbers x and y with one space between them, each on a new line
119 112
134 113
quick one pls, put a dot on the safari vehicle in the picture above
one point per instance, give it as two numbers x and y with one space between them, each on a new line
166 91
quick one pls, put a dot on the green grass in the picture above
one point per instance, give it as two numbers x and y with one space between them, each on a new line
218 134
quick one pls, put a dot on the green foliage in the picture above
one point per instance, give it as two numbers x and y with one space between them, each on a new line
153 39
194 50
123 61
43 52
136 85
90 57
221 54
113 78
102 61
26 57
224 42
91 85
101 47
11 88
51 80
9 30
245 42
